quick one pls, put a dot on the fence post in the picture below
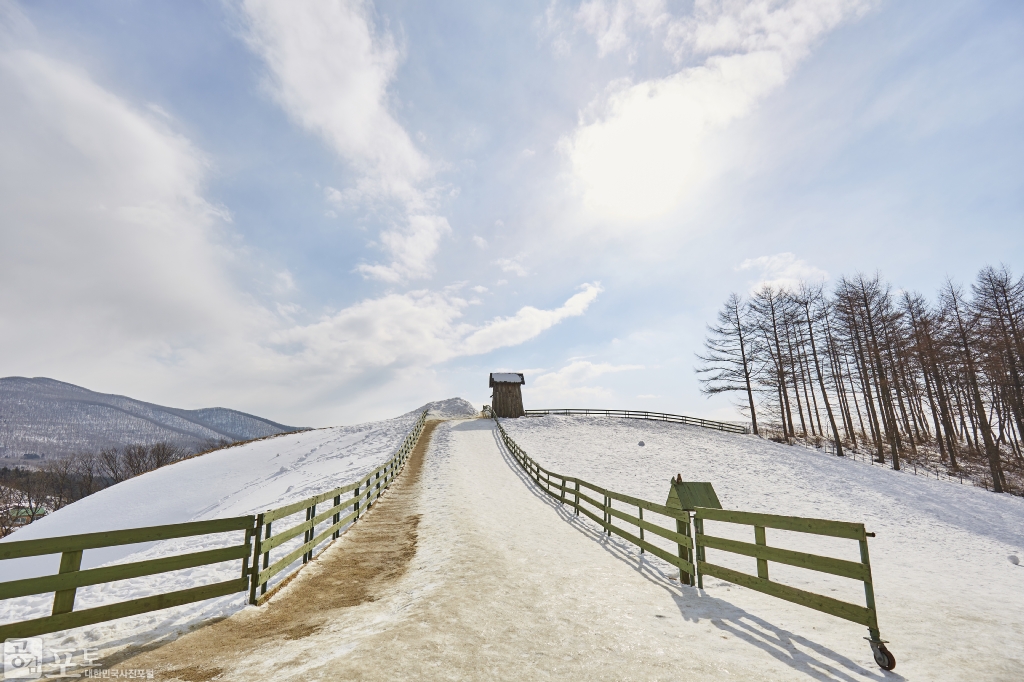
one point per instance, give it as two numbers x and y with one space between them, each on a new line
577 498
683 528
641 527
310 513
869 592
698 530
355 494
337 515
245 559
762 564
256 546
64 600
305 538
266 557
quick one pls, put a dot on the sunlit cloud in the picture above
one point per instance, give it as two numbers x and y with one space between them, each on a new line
641 149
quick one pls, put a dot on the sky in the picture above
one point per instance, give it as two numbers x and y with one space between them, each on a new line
331 212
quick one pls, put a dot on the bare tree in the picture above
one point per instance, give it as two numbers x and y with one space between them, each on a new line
112 465
897 373
958 313
811 298
729 353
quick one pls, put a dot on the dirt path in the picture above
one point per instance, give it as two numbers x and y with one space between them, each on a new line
355 570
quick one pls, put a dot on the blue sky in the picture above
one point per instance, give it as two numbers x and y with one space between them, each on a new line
335 211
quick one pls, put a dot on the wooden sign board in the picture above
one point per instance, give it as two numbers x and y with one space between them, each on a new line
689 495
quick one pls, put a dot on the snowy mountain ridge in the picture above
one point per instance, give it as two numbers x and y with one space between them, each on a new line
53 418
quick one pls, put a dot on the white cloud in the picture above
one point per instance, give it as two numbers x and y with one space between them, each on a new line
284 283
480 289
400 330
412 249
572 385
480 241
641 149
510 265
116 272
782 270
334 196
527 323
329 69
610 24
104 222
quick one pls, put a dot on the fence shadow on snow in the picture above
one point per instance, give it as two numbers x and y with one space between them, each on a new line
798 652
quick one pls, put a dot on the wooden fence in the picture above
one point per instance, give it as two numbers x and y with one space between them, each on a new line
346 505
70 577
257 540
693 565
643 414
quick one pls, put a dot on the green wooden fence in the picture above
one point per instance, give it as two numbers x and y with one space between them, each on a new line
70 577
574 492
760 550
257 541
344 507
644 414
691 547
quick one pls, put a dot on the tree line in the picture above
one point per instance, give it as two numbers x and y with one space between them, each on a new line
866 366
28 493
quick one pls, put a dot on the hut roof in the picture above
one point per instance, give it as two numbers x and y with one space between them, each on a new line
506 378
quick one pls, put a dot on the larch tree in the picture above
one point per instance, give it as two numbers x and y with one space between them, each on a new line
727 362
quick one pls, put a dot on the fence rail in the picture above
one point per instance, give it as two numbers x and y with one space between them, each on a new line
643 414
861 571
691 547
258 540
347 503
65 584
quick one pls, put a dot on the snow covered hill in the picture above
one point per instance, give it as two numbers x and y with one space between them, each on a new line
240 480
505 583
949 596
51 418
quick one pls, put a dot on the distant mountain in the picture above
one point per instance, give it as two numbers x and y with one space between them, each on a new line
51 418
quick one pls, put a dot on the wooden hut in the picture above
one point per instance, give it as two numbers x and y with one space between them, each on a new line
506 395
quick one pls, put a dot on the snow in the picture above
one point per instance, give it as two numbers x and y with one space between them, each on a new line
453 408
508 583
235 481
506 378
948 599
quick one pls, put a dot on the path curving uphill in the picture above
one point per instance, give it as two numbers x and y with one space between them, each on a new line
465 571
